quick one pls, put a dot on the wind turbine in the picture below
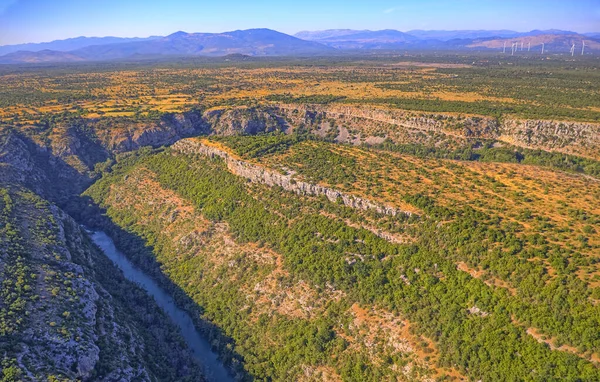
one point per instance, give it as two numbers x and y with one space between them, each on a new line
583 47
504 49
521 46
542 48
573 50
512 49
529 46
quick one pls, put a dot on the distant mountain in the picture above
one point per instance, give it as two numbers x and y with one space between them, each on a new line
349 39
326 34
592 35
39 57
69 44
556 40
266 42
385 37
251 42
443 35
553 43
537 32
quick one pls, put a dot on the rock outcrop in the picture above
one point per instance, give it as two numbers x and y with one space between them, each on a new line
261 175
577 138
64 161
364 124
242 120
65 309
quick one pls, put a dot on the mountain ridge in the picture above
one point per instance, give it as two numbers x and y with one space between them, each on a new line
263 42
69 44
251 42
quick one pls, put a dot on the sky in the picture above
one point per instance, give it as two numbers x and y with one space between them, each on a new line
23 21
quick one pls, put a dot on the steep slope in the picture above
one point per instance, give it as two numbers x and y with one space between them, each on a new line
58 160
471 278
267 304
395 293
372 125
67 313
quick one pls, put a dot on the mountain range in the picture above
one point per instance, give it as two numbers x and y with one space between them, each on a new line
554 39
70 44
267 42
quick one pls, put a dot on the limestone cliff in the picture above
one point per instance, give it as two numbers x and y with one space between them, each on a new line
262 175
371 124
65 310
575 138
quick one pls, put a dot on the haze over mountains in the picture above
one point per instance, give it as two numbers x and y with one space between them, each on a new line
266 42
70 44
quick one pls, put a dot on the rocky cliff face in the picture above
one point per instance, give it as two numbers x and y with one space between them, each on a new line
576 138
261 175
468 125
370 124
63 161
24 162
127 136
50 333
242 121
358 125
64 312
121 137
364 124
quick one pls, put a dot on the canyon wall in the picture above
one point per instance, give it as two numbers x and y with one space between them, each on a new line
373 124
261 175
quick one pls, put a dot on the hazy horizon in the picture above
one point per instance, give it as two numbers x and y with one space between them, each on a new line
35 21
292 34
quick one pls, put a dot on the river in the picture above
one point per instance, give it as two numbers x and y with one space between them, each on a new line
213 368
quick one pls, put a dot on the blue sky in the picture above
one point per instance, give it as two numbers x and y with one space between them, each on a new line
46 20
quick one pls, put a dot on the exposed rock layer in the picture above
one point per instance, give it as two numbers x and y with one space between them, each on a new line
577 138
259 174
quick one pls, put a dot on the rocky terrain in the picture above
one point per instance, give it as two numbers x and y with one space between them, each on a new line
83 143
67 313
368 124
66 310
271 178
59 160
312 292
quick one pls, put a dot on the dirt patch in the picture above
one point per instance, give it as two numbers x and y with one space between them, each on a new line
490 281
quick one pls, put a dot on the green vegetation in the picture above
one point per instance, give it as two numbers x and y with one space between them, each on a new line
260 145
48 283
492 273
489 153
311 99
490 85
419 281
488 108
17 277
544 91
